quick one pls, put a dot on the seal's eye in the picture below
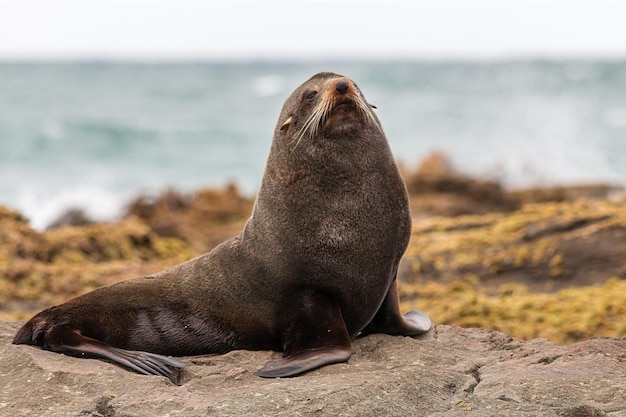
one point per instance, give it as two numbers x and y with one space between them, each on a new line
310 96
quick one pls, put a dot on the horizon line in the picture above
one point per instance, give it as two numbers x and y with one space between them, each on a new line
191 59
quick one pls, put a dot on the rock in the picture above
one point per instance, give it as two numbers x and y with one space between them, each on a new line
437 188
38 270
568 193
546 246
551 270
71 217
17 238
202 219
449 371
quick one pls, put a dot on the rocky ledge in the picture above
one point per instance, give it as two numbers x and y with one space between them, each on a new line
448 372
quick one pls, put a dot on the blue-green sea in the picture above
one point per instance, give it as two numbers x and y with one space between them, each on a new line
95 134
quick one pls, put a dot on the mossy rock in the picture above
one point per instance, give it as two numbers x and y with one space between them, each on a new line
566 316
545 246
202 219
17 238
129 239
41 269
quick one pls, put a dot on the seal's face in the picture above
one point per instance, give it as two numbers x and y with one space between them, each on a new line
327 105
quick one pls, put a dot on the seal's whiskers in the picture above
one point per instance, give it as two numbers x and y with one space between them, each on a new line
315 120
366 112
321 111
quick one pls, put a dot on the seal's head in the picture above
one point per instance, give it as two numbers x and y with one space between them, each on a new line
327 106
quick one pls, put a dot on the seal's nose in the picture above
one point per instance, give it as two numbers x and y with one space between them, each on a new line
341 86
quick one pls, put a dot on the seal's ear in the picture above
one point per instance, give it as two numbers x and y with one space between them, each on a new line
371 105
287 123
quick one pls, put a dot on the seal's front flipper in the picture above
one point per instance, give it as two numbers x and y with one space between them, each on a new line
389 320
305 361
69 341
315 336
418 320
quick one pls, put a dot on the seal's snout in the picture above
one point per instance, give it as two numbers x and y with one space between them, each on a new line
341 86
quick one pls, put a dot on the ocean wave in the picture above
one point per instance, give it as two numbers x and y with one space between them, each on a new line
81 136
43 207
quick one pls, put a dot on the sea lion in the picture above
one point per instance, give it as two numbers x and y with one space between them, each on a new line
314 267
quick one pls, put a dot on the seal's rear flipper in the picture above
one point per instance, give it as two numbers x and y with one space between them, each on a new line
315 336
69 341
304 361
143 362
389 320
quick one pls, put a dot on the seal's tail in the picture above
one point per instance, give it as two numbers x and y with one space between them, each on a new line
31 333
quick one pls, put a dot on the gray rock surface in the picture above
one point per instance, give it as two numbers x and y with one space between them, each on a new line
448 372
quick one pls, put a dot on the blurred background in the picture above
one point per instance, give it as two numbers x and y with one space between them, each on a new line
103 100
146 125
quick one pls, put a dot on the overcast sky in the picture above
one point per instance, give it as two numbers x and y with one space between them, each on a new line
183 29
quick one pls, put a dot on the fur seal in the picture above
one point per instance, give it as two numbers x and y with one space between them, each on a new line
314 267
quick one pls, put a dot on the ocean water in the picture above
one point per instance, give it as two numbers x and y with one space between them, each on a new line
94 135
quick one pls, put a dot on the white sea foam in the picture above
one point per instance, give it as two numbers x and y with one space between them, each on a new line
616 117
43 207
